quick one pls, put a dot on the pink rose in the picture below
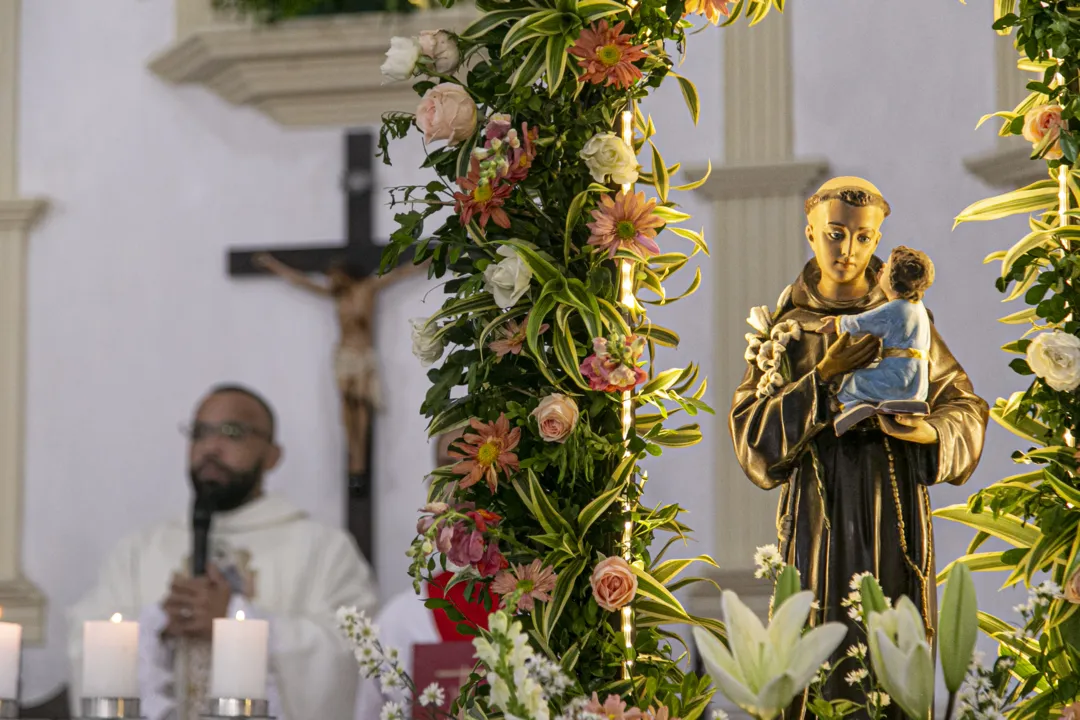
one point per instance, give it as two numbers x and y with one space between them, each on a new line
441 47
1041 122
467 546
614 584
1072 593
446 112
492 562
444 539
557 416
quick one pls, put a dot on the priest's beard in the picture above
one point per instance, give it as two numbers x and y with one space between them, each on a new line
237 489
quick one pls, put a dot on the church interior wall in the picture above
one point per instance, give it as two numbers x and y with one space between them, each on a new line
132 316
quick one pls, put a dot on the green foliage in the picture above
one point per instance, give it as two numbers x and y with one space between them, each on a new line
566 504
1037 512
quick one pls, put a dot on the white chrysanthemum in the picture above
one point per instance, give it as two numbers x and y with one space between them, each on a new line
858 650
880 699
392 711
433 696
768 561
856 580
391 680
856 676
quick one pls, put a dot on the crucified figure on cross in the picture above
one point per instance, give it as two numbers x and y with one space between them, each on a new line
355 366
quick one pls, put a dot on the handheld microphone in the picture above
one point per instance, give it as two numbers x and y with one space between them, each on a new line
201 513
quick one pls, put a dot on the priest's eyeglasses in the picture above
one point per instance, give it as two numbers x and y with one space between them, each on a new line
234 431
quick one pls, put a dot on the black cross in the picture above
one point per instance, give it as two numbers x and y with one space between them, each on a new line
362 252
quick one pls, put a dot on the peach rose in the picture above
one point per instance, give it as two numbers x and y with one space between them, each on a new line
557 416
1072 594
446 112
614 584
1071 712
1041 121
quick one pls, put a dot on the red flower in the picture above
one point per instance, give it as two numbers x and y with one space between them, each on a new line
492 561
484 519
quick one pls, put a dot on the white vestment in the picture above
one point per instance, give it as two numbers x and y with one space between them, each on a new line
403 623
283 566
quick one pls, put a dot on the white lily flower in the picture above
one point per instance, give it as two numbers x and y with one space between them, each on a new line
766 669
760 319
902 659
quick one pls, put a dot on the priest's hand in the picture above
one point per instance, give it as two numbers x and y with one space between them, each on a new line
847 354
910 428
194 603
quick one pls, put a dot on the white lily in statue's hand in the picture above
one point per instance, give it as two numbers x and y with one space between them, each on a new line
765 669
760 319
902 659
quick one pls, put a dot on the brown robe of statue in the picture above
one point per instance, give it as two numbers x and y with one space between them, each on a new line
866 507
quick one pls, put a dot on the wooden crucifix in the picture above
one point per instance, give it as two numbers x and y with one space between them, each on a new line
350 278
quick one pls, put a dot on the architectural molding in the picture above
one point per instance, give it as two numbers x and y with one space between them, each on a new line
21 601
778 179
21 215
310 72
1008 166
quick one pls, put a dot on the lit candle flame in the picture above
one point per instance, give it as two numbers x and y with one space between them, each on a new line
116 618
240 615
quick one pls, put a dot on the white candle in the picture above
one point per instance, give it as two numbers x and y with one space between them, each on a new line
110 659
10 643
239 658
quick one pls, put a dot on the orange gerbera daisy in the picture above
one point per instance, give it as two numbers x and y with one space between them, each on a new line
512 338
481 197
711 9
607 55
533 582
626 222
486 453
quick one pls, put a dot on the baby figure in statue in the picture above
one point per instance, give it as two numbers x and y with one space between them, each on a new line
898 383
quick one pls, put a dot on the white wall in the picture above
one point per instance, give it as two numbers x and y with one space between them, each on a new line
132 315
892 92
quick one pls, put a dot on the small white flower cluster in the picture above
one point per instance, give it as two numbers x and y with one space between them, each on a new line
516 677
577 709
856 676
976 699
857 651
768 561
766 347
853 602
1038 602
879 699
376 661
433 696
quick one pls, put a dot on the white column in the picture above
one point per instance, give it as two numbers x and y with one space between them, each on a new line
758 248
22 602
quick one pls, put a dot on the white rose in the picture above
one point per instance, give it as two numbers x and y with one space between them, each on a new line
605 154
425 346
509 279
760 319
441 47
1055 357
401 58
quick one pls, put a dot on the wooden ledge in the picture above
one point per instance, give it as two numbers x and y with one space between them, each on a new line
305 73
25 605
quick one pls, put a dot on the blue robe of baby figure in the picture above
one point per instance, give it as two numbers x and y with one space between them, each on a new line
901 378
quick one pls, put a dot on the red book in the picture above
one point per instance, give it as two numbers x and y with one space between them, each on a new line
449 664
